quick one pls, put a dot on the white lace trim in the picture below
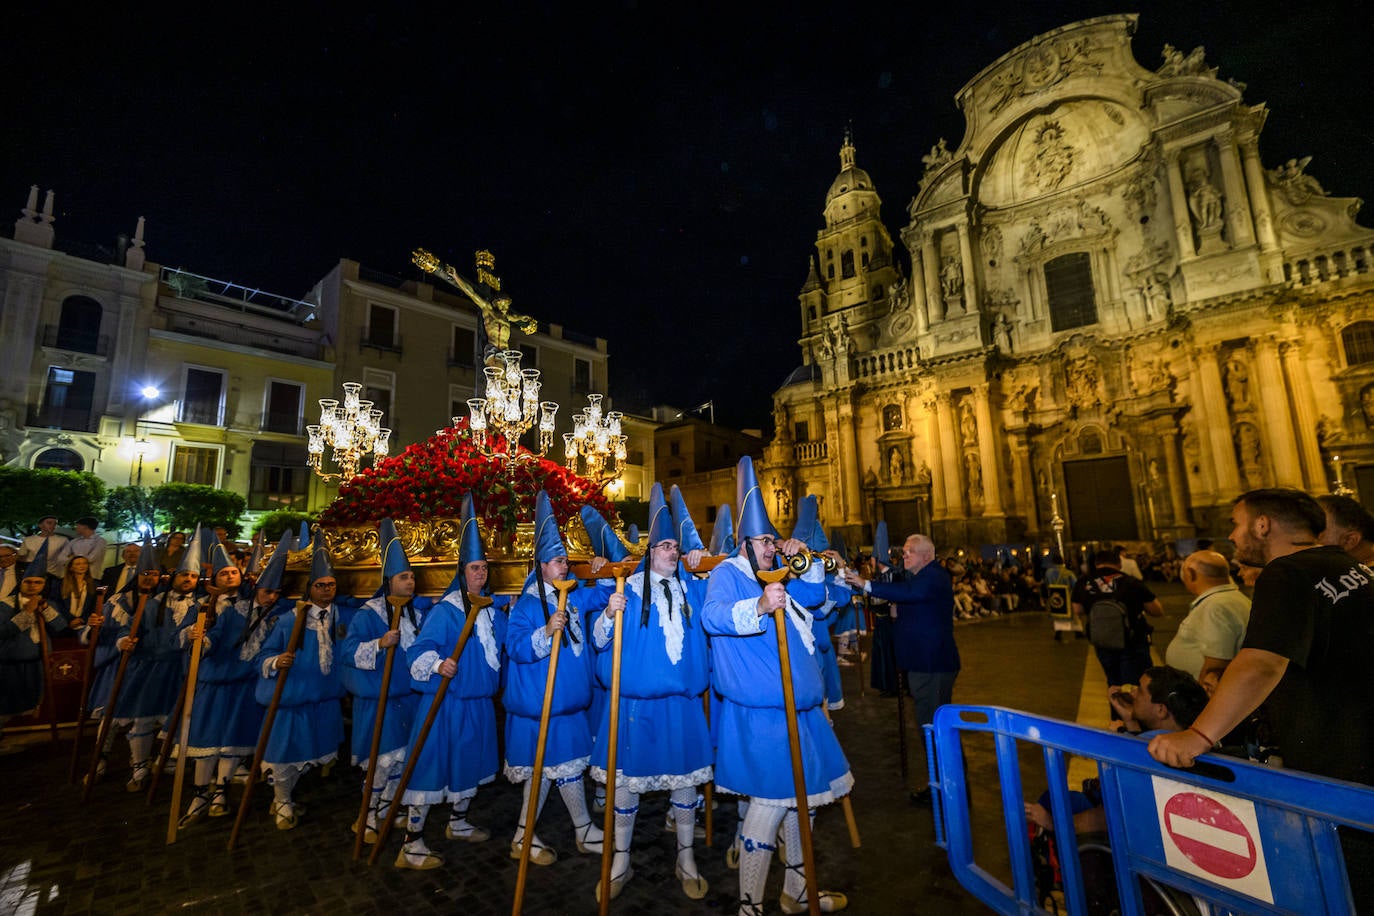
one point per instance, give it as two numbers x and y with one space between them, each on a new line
365 658
746 615
839 787
802 624
560 771
302 766
574 623
438 796
422 669
323 638
666 782
486 633
384 761
253 644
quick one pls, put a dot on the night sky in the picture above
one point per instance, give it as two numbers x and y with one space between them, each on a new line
653 173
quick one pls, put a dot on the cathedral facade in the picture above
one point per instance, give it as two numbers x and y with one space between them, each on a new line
1115 311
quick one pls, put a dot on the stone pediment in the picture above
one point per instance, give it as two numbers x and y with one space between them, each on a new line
1306 216
1178 98
941 188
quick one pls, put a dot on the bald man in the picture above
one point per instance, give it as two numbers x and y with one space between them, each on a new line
1349 526
1212 633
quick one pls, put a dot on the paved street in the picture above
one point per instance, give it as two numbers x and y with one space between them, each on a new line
110 857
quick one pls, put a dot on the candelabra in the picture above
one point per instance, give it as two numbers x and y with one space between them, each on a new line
511 407
352 430
597 441
1340 489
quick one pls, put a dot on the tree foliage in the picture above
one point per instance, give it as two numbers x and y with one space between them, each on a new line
130 509
27 494
180 506
274 524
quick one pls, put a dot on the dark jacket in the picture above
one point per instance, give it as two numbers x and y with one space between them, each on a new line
923 632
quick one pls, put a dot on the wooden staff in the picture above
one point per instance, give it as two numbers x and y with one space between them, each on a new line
45 659
164 752
93 635
187 704
789 702
860 624
103 731
397 602
477 602
563 586
709 790
293 645
620 571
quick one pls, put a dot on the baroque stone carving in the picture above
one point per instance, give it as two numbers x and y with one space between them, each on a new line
1142 191
991 243
1149 271
1041 67
1054 158
1177 64
1237 380
951 281
896 466
1083 382
968 426
973 465
1078 220
1367 405
1293 183
1023 397
1002 331
1248 453
1151 375
938 157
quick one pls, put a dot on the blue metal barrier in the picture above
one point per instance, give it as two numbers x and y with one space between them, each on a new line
1242 837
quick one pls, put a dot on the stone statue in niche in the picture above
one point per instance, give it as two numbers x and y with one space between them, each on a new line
843 342
923 474
1249 452
1205 203
781 428
783 498
1237 382
1294 184
973 466
896 466
951 280
825 342
1001 331
968 426
1367 405
898 296
870 479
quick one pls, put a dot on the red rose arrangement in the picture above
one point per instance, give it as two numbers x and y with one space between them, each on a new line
429 478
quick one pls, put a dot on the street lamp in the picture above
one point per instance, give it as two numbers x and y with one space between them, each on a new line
141 448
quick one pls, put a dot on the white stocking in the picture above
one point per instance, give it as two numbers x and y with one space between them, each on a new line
224 773
284 779
758 831
525 810
205 770
794 878
415 829
684 802
626 807
575 797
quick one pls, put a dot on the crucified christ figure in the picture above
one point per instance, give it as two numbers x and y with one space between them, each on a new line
493 334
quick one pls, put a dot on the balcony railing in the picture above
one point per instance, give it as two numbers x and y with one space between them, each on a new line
1312 269
205 414
811 451
70 418
287 423
883 362
76 340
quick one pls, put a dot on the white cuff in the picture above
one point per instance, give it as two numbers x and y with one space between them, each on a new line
365 658
542 643
746 615
815 572
49 613
269 666
425 666
602 631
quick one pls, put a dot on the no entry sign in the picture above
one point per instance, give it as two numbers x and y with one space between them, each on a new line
1212 836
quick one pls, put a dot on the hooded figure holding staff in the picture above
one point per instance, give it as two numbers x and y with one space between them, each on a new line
752 758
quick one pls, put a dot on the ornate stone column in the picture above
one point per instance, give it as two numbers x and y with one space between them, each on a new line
918 293
1278 423
949 457
987 452
1237 213
1259 193
971 297
1305 415
939 508
930 262
1178 202
846 442
1217 423
1174 468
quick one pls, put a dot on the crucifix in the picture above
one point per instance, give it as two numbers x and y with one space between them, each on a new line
493 331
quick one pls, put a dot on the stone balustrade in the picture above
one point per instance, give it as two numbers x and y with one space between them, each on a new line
1314 268
811 451
881 362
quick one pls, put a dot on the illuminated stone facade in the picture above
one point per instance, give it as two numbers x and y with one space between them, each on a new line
1111 297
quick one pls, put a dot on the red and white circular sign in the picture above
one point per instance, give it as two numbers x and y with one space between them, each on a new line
1210 835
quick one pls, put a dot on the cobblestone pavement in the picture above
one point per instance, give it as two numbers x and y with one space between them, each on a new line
59 856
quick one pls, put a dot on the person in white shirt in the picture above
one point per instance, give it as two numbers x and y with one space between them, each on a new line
86 544
47 526
9 572
1214 630
1128 564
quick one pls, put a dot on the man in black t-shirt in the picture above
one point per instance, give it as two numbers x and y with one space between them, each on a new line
1126 665
1308 653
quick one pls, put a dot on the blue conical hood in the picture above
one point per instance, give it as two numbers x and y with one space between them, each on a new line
605 542
38 566
837 544
270 578
753 514
881 549
303 539
632 534
470 549
319 566
255 558
688 539
219 559
808 520
191 556
394 559
147 559
723 532
660 517
548 542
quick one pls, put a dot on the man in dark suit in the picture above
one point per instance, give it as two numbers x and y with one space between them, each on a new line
116 577
922 632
